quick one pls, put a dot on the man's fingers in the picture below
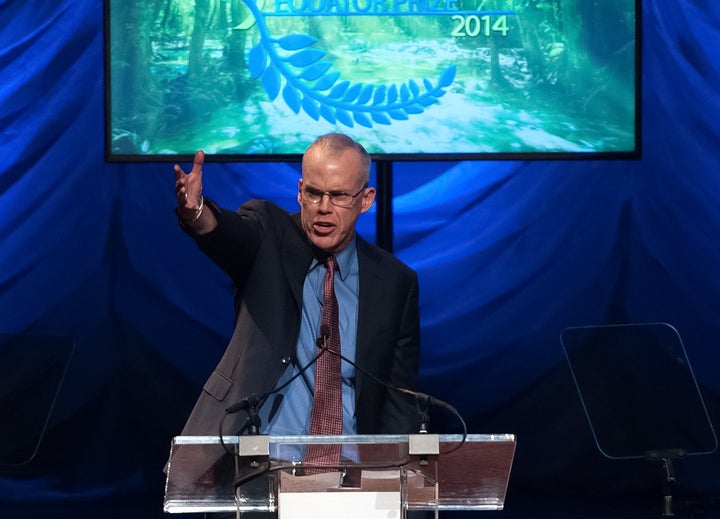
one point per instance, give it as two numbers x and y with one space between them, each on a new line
198 162
188 188
179 173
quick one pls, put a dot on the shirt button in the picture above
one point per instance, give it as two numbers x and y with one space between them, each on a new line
286 360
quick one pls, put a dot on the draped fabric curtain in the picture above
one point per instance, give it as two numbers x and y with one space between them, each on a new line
509 253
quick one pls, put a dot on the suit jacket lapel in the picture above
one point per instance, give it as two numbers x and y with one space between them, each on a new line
370 302
296 258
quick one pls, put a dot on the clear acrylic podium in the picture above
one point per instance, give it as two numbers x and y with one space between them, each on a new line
380 475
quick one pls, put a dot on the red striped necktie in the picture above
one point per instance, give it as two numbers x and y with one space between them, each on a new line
326 416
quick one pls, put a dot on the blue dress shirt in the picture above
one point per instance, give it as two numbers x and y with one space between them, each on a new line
288 412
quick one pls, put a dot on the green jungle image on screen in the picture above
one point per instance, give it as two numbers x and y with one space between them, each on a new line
247 78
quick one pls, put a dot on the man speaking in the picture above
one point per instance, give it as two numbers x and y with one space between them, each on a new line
325 322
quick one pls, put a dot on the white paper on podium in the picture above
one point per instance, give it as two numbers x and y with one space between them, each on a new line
352 504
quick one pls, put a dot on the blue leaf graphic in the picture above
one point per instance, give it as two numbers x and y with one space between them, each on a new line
308 84
381 118
352 92
414 108
366 94
362 119
325 82
338 90
305 57
311 108
296 41
427 101
315 70
271 82
379 96
256 61
344 117
290 95
414 88
392 94
447 76
327 113
398 115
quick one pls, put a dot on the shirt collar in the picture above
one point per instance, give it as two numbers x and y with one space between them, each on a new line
344 259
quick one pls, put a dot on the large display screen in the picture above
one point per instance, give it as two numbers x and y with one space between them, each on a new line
254 80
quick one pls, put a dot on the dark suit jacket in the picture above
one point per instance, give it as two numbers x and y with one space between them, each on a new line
267 254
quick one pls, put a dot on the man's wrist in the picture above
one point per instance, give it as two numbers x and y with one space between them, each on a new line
196 213
201 220
199 210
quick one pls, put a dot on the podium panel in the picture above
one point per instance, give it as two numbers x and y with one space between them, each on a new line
210 474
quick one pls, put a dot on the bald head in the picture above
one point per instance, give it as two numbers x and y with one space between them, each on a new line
334 144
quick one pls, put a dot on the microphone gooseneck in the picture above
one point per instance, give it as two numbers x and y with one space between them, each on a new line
258 399
423 400
253 403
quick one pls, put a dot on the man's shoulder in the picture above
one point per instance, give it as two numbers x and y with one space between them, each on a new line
265 207
386 260
269 212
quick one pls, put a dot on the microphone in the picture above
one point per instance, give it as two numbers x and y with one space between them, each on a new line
245 404
254 402
423 400
251 404
321 341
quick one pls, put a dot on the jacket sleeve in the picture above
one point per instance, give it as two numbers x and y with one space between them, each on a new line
234 243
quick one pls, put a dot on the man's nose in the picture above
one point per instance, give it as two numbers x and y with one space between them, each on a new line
325 203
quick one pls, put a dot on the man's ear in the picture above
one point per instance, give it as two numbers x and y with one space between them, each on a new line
368 198
299 190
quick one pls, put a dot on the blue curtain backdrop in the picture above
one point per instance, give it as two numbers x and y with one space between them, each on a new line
508 254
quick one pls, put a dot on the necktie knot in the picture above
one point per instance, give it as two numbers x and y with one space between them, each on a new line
331 264
329 319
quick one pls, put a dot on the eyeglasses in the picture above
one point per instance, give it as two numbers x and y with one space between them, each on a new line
337 198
